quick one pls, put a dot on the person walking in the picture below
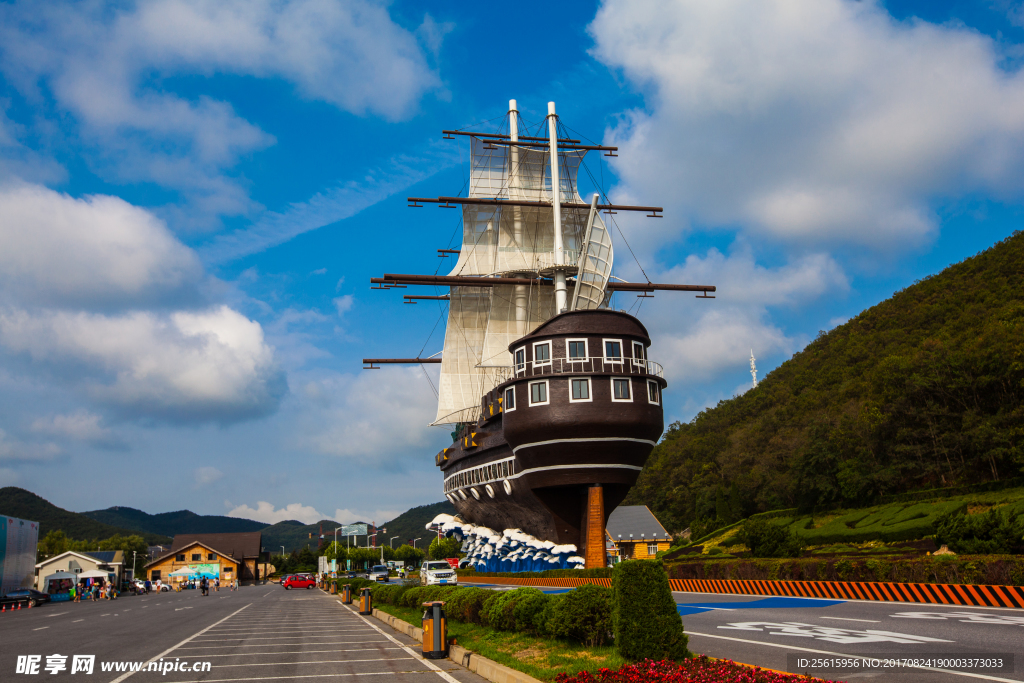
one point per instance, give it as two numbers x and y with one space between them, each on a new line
216 584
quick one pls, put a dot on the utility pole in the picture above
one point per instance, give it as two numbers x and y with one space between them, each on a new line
414 542
392 542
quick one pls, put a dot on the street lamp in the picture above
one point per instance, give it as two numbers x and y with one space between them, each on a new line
414 541
392 542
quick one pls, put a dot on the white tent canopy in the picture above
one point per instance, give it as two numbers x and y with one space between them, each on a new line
185 571
94 574
60 575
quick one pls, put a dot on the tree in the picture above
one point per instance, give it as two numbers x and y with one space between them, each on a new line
411 556
443 548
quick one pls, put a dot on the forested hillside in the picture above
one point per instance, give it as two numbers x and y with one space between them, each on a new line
923 390
172 523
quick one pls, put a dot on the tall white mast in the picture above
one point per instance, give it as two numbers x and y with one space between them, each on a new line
556 206
753 368
517 212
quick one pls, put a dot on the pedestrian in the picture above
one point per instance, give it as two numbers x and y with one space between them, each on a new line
216 584
72 593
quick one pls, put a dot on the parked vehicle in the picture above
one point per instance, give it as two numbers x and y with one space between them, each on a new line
298 581
29 597
437 573
378 573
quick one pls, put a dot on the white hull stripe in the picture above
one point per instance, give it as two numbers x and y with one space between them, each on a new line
600 438
598 466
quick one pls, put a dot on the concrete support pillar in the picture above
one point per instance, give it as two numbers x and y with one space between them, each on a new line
593 528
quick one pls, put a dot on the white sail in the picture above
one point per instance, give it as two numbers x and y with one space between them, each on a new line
511 241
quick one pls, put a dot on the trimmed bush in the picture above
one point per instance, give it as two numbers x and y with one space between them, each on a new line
767 539
514 610
644 616
584 615
996 531
465 604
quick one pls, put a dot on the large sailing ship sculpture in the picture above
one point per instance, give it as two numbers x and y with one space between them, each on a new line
555 403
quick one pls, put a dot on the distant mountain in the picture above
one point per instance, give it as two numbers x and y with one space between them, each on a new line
295 535
17 502
171 523
412 523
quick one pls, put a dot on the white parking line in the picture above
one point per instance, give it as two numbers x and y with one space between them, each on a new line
847 654
226 640
40 628
321 661
426 662
866 621
306 652
221 647
172 649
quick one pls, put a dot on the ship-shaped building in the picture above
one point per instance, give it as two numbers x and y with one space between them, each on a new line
554 400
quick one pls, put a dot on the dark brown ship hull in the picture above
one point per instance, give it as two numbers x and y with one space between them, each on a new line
564 421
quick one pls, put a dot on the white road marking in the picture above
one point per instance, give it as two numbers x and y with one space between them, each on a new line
843 636
321 661
178 609
304 652
963 617
847 654
225 640
221 647
40 628
426 662
56 615
866 621
77 620
172 649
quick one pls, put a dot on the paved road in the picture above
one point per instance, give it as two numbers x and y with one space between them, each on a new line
261 633
764 631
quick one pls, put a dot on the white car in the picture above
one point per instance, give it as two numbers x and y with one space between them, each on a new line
378 573
438 573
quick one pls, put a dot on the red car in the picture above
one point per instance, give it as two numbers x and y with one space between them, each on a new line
298 582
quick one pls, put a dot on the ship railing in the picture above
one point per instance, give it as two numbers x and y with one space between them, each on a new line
588 365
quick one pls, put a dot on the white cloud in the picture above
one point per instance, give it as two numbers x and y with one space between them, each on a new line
266 512
93 251
109 67
344 303
357 416
698 340
206 475
13 450
81 425
810 122
208 365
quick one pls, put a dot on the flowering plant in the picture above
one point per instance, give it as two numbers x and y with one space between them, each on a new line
700 669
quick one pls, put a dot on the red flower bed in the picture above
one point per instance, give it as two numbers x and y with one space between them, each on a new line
701 669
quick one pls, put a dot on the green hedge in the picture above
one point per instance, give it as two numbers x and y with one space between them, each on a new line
583 615
646 622
978 569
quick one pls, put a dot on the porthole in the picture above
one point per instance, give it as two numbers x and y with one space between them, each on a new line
462 494
476 494
507 485
490 490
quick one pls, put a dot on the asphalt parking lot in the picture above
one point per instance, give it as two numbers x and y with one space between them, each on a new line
258 633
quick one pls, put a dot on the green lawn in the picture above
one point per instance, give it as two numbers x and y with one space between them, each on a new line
542 658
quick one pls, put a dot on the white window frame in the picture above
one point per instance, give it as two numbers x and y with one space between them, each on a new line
638 361
590 390
504 400
547 393
622 400
649 383
649 544
515 366
604 351
586 350
543 363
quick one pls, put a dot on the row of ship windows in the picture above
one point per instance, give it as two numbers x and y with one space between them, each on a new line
580 392
479 475
576 349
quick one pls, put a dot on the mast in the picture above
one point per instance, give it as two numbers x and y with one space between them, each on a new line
517 212
556 207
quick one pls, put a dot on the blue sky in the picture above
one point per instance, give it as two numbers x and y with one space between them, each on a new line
193 196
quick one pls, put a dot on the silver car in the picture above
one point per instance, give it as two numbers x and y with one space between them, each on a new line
378 573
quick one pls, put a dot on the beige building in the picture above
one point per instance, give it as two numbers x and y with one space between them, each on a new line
73 562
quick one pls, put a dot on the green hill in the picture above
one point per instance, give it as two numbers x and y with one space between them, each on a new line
924 390
412 523
171 523
17 502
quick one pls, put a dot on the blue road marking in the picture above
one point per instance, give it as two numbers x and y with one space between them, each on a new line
764 603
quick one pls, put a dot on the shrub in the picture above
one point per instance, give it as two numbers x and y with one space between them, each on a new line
514 610
766 539
584 615
390 594
714 550
992 532
644 616
413 597
700 668
465 604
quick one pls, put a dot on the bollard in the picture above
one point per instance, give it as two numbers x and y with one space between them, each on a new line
366 601
435 631
346 594
334 587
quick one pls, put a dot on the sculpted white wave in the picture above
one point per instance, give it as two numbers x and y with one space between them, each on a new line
507 551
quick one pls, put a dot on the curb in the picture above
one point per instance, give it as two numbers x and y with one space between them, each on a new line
481 666
969 595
